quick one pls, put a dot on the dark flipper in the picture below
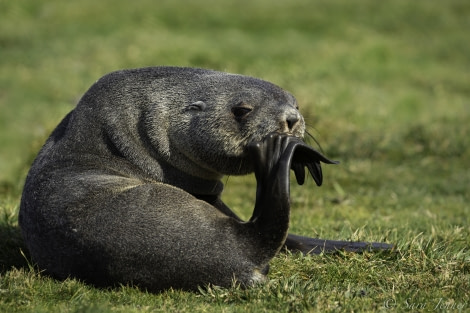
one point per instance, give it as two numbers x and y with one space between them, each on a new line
307 245
305 156
272 162
273 157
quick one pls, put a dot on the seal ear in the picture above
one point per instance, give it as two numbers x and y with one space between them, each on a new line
197 106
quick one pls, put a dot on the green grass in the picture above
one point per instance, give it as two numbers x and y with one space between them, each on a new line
384 87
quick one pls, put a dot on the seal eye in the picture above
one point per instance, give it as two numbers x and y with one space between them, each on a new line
241 111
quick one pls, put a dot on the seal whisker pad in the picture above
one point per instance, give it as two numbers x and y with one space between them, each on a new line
126 190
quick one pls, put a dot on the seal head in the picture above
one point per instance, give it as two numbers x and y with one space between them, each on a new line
172 121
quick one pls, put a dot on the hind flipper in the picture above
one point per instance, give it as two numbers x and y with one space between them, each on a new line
307 245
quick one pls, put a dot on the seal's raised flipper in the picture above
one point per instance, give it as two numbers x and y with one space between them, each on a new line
272 158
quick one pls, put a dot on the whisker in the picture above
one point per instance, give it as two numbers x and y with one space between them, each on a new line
226 180
240 166
316 141
309 135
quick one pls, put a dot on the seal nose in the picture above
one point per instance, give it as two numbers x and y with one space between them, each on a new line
292 119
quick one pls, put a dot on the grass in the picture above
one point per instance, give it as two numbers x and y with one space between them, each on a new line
384 87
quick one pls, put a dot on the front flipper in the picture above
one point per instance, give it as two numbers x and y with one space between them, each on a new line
307 245
273 157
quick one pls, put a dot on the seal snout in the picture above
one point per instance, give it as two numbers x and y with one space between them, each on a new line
292 123
292 119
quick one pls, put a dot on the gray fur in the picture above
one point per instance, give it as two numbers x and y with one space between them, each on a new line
112 196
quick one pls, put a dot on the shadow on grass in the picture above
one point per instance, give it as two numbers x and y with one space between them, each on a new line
13 251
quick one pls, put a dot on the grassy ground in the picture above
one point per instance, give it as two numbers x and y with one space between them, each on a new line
384 87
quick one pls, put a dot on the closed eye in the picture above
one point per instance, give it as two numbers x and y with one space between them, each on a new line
241 111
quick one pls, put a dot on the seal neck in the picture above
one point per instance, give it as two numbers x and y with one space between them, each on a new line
192 184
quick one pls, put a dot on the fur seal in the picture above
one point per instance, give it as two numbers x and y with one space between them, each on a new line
126 190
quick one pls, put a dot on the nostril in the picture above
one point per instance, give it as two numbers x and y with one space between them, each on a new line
291 120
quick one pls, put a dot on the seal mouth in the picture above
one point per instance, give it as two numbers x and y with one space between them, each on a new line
257 138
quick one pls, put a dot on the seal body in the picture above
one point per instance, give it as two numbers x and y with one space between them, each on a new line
126 190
